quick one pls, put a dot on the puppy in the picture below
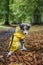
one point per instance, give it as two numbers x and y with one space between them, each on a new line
18 38
25 29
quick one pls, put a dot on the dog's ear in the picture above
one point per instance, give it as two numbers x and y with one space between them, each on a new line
28 25
21 26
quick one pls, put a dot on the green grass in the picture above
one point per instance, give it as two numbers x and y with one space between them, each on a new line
4 27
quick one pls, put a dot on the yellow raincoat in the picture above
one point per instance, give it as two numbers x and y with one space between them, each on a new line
18 35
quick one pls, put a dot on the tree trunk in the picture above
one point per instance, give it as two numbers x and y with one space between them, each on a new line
37 17
6 19
7 13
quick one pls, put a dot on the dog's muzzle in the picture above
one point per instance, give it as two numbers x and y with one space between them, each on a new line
25 32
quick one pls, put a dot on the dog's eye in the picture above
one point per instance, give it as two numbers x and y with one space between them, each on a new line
23 29
27 27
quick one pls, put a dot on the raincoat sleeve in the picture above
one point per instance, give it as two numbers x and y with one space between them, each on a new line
20 35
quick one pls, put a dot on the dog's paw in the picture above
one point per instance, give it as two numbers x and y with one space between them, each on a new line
23 48
9 54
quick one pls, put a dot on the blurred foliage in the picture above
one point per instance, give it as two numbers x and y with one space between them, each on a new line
18 11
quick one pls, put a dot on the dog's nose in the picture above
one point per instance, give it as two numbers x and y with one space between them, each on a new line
25 33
